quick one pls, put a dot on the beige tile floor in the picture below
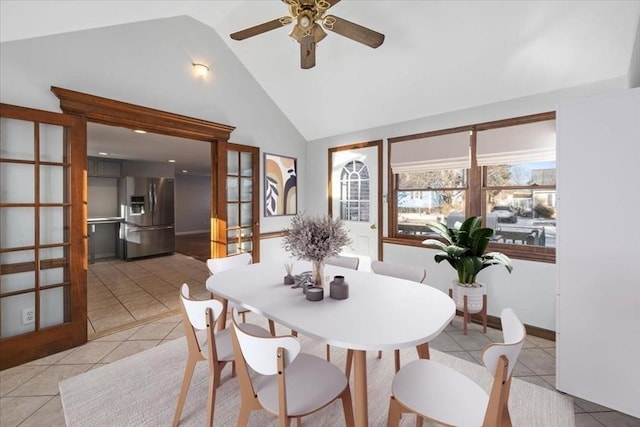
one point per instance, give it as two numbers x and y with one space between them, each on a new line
122 294
29 393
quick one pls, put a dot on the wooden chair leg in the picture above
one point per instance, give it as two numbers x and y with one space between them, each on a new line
347 368
184 389
484 313
347 407
328 353
423 351
396 354
211 398
465 316
243 417
272 328
380 354
395 412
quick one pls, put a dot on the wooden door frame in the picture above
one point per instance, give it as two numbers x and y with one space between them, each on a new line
355 146
117 113
219 244
72 332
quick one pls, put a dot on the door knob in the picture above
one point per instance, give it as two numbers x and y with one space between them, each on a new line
373 226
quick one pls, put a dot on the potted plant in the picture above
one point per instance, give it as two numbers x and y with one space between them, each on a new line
464 250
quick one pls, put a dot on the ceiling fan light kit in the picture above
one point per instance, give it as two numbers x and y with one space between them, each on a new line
310 18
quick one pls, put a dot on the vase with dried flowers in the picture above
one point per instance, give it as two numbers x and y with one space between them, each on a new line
315 238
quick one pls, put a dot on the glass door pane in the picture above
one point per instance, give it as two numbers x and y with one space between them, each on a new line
241 207
34 216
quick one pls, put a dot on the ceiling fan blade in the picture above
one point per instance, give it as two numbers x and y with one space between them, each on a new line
353 31
262 28
308 50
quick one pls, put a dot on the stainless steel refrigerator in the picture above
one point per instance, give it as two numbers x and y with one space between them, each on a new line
147 206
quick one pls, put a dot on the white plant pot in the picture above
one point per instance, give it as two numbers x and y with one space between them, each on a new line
474 296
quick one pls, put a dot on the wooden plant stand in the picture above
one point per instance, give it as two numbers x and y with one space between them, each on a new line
466 316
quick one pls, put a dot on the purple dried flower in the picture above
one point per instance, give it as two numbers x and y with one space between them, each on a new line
315 238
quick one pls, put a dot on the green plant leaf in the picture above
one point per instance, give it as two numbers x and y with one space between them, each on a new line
466 249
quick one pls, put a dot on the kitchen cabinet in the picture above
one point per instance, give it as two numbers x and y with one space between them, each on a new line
104 168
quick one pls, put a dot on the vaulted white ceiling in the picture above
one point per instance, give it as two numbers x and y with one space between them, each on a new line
438 56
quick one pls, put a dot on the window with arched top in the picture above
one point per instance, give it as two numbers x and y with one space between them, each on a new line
355 192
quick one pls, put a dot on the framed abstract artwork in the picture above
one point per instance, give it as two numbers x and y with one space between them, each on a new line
280 185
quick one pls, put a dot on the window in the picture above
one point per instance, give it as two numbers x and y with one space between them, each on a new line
519 182
429 196
503 171
354 192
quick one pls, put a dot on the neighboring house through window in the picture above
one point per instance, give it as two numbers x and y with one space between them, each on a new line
354 192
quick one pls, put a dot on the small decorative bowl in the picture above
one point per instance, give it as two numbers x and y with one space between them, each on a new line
315 293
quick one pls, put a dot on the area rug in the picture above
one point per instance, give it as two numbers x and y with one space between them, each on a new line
142 390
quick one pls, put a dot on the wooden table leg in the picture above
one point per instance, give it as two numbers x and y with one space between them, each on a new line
361 410
222 320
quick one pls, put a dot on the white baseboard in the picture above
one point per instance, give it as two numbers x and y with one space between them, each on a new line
186 233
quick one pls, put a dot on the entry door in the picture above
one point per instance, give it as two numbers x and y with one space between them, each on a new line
43 238
354 183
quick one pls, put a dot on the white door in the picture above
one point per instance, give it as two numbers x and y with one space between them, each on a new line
355 197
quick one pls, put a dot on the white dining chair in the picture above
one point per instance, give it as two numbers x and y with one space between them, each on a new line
291 384
217 348
407 272
350 262
216 265
443 395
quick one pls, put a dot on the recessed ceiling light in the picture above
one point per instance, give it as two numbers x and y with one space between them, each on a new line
171 161
102 153
139 131
184 171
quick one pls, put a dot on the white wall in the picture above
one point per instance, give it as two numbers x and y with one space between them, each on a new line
193 204
530 289
230 95
598 349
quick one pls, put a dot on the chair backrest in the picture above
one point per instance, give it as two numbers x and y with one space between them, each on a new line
500 360
216 265
260 353
195 310
513 333
351 262
407 272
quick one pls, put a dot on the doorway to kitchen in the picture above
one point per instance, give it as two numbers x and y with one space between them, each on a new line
145 288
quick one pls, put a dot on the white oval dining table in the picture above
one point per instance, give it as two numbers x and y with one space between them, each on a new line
381 313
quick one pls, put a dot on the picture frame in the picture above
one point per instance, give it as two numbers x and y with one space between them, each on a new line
280 185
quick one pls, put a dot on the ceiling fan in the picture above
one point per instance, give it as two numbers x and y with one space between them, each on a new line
310 17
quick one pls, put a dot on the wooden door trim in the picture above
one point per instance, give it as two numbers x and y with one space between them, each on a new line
117 113
355 146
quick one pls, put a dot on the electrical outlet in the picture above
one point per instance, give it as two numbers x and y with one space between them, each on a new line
28 315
